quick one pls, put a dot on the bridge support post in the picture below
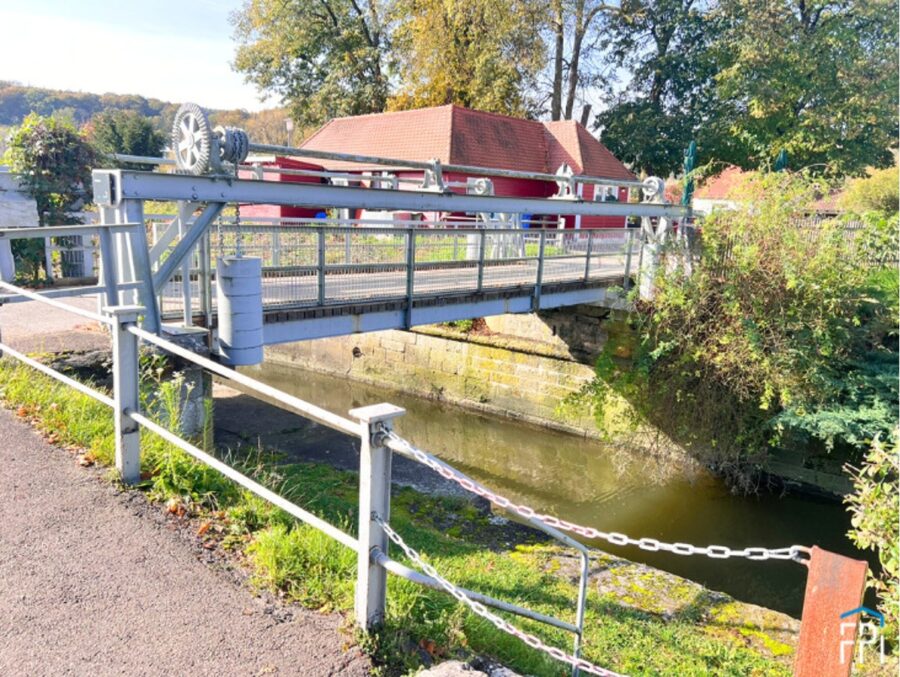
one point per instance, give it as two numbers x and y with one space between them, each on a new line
126 392
374 498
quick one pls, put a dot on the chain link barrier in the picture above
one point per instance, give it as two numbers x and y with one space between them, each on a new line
793 552
481 610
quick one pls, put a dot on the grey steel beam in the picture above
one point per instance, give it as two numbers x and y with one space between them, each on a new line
63 231
418 164
168 267
151 186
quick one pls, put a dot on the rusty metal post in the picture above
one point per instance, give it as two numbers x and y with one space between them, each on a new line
835 586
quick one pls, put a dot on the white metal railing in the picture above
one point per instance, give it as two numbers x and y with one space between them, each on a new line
369 424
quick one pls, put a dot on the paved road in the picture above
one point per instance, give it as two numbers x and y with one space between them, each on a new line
95 582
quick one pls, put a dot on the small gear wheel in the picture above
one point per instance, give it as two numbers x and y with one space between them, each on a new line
192 139
225 136
241 145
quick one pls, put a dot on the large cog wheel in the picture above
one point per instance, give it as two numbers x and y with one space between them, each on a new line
192 139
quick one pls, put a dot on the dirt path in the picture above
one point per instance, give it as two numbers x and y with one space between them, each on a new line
90 585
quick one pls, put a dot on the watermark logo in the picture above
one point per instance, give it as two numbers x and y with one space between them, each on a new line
871 625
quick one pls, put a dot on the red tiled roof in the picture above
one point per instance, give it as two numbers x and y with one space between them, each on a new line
456 135
720 186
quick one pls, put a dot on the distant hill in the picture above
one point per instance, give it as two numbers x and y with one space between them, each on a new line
17 101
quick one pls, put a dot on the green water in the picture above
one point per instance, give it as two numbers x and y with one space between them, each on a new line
590 483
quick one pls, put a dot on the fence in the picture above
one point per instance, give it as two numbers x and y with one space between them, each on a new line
373 425
369 424
323 262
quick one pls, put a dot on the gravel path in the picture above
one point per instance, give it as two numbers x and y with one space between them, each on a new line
92 585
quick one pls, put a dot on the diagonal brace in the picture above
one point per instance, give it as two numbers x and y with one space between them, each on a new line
185 212
182 249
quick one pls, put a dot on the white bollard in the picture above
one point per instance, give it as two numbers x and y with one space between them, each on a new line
239 298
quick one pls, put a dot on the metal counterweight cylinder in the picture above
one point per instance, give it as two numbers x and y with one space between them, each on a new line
239 297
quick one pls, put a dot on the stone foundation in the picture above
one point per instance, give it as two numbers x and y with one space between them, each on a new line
524 366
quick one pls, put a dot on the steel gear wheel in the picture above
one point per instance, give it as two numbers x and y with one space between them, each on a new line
192 139
225 136
241 145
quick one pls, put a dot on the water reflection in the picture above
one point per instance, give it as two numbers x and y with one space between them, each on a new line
586 481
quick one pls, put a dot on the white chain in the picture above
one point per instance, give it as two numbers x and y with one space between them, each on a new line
481 610
650 544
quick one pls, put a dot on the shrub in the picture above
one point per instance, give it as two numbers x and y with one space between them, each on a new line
877 192
783 335
875 509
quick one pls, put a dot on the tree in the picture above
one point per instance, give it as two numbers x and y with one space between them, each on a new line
576 38
53 162
817 78
481 54
324 58
669 98
126 132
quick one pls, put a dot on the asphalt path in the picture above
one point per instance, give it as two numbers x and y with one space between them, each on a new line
96 581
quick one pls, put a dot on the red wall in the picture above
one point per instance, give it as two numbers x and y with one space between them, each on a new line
504 186
282 211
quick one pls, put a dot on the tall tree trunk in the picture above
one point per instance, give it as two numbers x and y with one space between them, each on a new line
558 29
585 114
573 62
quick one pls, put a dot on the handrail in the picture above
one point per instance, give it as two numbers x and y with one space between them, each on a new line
246 482
19 291
300 406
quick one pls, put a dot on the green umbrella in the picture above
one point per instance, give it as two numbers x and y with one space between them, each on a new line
690 159
781 161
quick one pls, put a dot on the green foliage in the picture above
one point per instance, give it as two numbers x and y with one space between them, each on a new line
878 192
480 54
126 132
53 162
816 79
324 60
667 48
875 507
783 335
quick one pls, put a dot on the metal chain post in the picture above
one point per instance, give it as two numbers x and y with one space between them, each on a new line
481 610
374 497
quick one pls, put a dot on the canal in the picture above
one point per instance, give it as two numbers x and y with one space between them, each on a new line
588 482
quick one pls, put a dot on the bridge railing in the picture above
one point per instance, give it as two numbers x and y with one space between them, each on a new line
310 264
369 424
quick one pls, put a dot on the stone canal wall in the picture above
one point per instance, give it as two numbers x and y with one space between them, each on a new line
522 366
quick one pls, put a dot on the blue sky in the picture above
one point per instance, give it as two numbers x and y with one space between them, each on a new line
168 49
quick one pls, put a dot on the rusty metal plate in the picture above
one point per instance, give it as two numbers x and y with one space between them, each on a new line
835 586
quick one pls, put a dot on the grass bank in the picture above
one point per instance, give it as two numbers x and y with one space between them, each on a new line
638 621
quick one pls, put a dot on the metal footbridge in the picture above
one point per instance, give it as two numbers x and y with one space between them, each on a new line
291 280
431 253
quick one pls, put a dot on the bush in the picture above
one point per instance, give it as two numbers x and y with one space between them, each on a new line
878 192
875 507
783 335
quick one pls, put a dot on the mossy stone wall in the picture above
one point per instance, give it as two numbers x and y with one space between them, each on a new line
523 366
